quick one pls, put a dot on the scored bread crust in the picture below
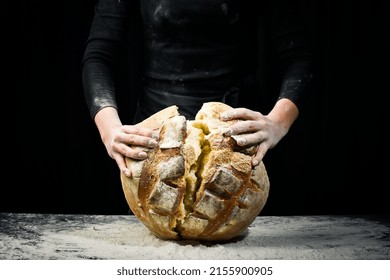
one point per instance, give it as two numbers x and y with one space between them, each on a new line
197 184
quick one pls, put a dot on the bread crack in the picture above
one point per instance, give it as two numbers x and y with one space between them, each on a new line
195 141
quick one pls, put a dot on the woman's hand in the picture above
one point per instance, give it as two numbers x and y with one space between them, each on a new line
263 130
119 139
119 142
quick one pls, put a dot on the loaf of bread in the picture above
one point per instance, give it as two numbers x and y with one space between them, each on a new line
197 184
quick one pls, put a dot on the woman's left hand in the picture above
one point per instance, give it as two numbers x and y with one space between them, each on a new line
263 130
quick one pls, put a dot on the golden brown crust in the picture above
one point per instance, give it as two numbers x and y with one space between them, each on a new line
198 184
156 121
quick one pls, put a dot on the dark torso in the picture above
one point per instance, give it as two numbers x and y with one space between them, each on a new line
192 51
197 39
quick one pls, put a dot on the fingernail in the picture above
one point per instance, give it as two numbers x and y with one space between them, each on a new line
228 132
240 140
224 116
142 155
153 143
255 162
155 135
127 173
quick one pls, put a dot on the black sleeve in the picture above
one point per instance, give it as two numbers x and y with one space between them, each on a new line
103 52
291 39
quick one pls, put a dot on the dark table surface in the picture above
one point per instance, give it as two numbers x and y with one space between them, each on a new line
66 237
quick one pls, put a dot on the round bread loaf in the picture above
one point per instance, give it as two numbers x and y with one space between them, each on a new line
197 184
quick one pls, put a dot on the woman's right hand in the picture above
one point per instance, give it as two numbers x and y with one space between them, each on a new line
119 139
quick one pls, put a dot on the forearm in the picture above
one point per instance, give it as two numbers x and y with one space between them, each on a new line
106 120
103 54
293 47
297 81
98 86
285 112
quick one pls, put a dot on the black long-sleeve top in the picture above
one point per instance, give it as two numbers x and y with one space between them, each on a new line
193 41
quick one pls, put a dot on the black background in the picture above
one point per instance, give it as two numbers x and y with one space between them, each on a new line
333 161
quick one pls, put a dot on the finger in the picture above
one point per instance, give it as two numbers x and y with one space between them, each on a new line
135 153
120 161
239 113
142 131
243 127
261 151
133 139
249 139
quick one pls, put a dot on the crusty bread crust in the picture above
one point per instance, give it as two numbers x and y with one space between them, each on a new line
198 184
156 121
